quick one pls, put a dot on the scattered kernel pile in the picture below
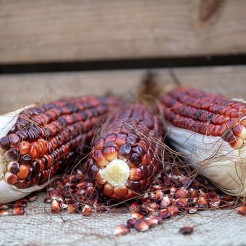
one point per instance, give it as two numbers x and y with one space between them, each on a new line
17 207
170 194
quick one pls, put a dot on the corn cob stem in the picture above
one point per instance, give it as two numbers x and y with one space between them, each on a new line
124 158
40 142
210 131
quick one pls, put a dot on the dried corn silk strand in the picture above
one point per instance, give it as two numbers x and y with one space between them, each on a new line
39 142
125 156
210 131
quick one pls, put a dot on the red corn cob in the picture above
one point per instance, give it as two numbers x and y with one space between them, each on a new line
47 138
210 132
124 158
207 114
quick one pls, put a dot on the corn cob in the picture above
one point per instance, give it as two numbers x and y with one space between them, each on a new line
124 158
210 130
39 142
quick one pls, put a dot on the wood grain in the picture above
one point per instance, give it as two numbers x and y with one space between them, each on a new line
21 90
61 30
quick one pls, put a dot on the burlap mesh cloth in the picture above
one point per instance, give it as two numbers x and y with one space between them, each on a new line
39 227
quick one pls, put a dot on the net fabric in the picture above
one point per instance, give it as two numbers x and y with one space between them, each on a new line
40 227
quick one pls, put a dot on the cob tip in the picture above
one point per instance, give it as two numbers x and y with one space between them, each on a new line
9 193
116 173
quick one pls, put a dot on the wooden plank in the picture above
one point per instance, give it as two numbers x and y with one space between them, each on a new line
21 90
61 30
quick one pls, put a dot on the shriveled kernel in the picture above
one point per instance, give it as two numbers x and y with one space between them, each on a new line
158 218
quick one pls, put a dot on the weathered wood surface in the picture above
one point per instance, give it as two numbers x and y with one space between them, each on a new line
21 90
61 30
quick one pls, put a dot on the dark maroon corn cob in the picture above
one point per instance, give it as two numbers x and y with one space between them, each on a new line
210 132
47 138
124 158
207 114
